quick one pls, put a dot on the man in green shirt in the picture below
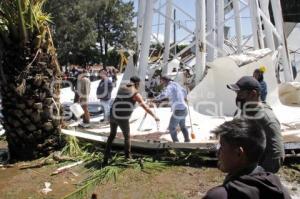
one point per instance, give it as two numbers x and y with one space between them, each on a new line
248 102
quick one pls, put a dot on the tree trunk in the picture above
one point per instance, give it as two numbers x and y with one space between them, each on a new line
100 39
105 54
31 107
101 51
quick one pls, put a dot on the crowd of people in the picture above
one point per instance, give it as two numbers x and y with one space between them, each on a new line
251 145
80 82
71 74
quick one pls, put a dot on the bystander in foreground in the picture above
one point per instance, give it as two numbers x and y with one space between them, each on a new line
242 142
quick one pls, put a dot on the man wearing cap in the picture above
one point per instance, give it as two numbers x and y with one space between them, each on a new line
120 113
248 102
177 97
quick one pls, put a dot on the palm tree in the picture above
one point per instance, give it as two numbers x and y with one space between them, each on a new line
28 74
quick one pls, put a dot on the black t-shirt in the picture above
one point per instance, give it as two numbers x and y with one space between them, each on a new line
124 103
250 184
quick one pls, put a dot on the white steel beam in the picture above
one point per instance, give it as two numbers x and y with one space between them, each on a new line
267 29
167 37
172 20
274 30
143 59
259 28
140 22
200 39
220 27
277 13
253 11
237 20
184 12
211 26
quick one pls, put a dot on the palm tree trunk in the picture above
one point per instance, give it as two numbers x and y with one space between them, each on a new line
29 74
30 103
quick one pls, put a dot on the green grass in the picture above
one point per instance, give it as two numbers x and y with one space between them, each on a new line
111 172
118 164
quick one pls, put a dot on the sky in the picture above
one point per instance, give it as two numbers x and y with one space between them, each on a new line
189 7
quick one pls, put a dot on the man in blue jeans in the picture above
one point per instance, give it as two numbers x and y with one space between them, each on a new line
177 97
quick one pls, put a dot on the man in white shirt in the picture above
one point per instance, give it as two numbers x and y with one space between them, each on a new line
177 97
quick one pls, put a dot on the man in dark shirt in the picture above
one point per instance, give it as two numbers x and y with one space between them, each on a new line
74 73
242 142
248 101
104 94
259 75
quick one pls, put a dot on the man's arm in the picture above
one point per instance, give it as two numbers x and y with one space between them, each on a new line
164 94
142 103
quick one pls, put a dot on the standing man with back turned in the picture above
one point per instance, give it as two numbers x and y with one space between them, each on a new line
104 94
248 102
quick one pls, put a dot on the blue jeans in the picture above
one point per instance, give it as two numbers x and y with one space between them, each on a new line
106 108
178 117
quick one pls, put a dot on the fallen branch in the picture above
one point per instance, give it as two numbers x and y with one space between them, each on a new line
51 159
64 168
40 164
61 158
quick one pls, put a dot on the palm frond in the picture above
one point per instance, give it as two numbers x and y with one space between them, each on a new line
72 147
23 20
117 165
21 23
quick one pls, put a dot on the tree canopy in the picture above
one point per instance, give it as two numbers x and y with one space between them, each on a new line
84 29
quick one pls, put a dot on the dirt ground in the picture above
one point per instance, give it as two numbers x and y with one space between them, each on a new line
176 182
